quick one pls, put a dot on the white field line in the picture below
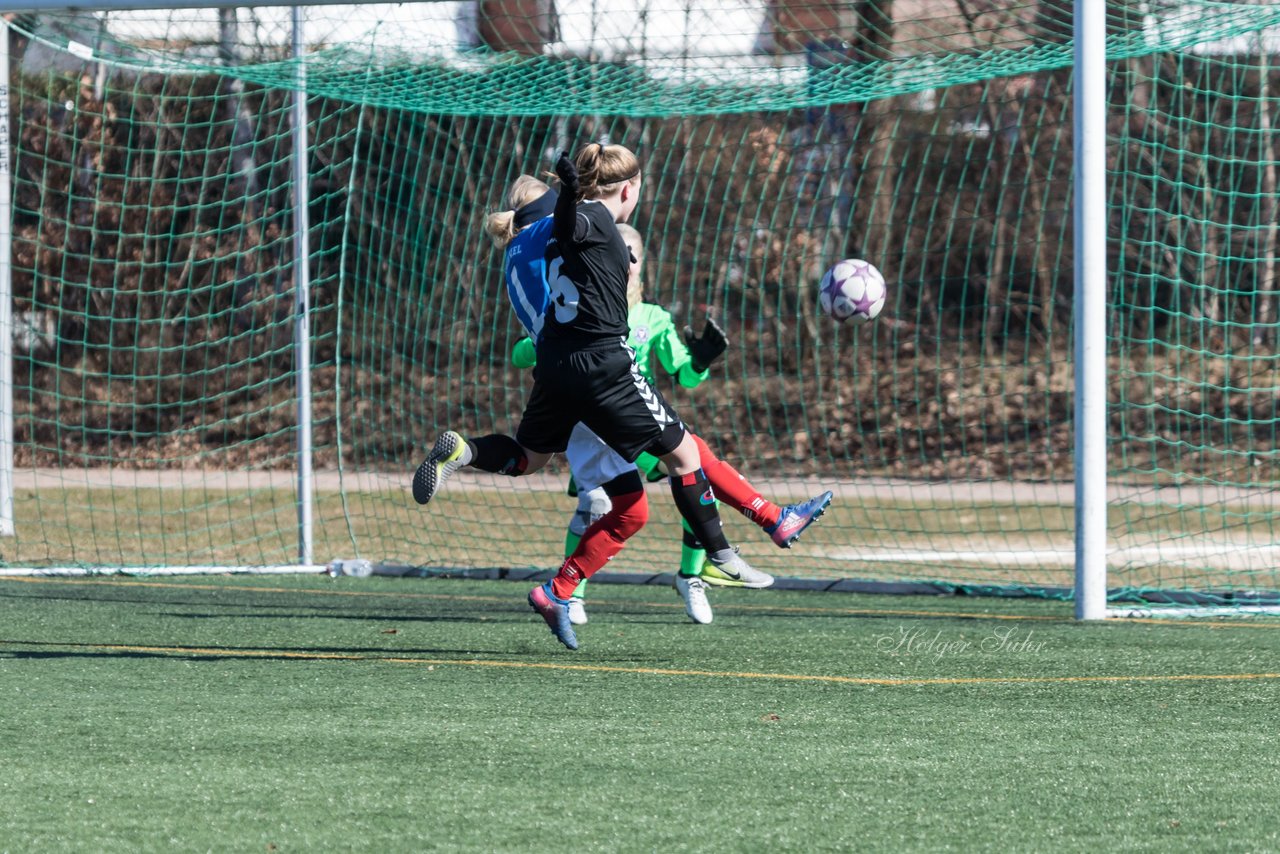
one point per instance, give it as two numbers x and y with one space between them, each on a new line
1175 611
91 571
1227 555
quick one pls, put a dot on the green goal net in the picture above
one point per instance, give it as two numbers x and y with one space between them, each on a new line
156 408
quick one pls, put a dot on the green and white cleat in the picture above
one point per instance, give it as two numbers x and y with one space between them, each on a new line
735 572
444 459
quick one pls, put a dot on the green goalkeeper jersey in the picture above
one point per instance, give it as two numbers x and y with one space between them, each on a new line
653 333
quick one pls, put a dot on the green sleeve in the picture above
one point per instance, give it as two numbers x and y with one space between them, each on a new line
524 354
673 355
689 378
648 465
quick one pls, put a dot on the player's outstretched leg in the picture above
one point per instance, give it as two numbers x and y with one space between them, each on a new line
494 453
601 542
796 518
783 524
449 453
556 612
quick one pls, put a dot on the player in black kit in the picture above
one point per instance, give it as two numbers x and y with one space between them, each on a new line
586 372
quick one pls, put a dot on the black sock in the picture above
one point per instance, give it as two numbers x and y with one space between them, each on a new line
499 454
697 504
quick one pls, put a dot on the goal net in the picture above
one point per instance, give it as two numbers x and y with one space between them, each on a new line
155 395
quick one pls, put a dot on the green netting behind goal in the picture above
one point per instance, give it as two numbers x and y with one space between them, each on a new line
155 396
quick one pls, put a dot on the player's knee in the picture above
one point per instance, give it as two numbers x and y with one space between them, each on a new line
623 484
592 505
535 460
595 501
671 437
683 457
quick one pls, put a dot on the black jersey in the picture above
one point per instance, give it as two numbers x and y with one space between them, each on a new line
587 276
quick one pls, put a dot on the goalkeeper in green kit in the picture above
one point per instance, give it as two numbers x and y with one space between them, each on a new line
653 333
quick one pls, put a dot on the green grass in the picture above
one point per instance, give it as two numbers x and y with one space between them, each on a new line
306 714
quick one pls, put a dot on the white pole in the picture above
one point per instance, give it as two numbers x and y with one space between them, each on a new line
6 297
1090 309
302 287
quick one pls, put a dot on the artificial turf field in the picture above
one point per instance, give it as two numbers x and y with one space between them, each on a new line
304 713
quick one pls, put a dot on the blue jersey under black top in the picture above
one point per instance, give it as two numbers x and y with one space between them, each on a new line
575 290
525 269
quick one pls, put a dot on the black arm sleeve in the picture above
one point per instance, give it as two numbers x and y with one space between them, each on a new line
569 226
564 223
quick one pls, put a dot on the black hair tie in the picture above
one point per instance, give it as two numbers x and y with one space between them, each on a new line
544 205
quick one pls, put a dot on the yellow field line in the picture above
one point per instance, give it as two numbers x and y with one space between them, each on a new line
645 671
786 609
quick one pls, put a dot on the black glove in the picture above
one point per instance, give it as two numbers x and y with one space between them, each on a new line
707 348
567 171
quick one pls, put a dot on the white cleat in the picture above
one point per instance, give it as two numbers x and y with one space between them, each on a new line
577 611
693 590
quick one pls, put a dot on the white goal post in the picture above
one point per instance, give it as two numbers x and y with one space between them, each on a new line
302 336
1090 309
1090 483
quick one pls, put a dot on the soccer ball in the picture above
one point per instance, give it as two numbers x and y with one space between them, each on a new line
853 291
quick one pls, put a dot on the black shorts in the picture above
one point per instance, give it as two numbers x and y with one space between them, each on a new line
599 385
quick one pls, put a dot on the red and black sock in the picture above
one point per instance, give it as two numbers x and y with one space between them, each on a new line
696 502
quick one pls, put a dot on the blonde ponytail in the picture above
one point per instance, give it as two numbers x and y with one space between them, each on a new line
501 225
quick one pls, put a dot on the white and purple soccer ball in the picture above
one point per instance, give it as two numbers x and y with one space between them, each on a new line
852 291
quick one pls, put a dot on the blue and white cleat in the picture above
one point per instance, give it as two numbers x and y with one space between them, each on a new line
556 612
796 518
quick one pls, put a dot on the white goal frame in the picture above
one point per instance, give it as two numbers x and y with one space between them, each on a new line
301 314
1090 481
